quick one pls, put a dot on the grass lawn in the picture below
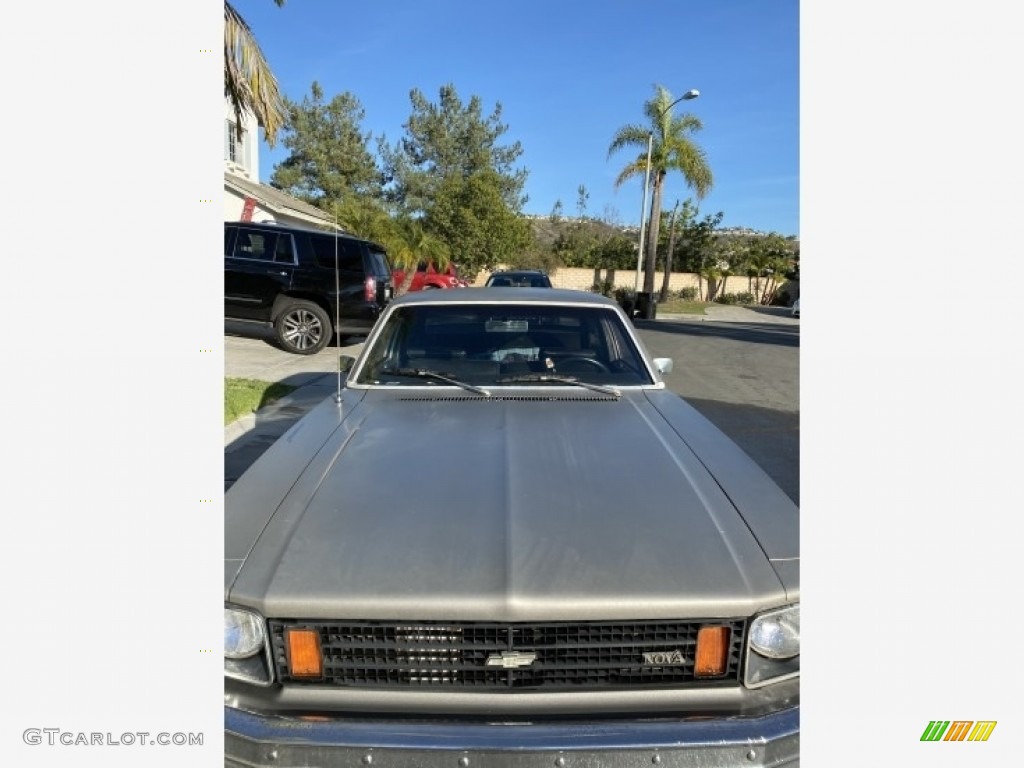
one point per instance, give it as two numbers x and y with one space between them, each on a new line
680 307
244 396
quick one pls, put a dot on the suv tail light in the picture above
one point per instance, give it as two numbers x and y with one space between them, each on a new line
370 289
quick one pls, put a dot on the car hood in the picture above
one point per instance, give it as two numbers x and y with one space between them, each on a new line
460 507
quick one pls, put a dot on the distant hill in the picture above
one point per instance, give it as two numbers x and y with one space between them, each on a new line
547 231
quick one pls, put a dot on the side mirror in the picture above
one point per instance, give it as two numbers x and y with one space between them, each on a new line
345 363
663 364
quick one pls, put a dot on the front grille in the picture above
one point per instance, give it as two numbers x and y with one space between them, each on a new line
567 655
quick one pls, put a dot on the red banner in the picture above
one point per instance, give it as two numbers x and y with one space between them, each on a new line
247 209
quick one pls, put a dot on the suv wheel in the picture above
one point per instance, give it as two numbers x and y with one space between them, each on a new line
302 327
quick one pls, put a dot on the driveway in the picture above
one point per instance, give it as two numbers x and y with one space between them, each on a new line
250 353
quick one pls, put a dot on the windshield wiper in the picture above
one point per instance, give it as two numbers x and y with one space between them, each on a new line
424 373
557 378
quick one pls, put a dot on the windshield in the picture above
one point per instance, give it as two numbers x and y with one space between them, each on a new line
503 345
517 280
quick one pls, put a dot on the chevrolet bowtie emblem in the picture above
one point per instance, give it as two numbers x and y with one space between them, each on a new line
511 659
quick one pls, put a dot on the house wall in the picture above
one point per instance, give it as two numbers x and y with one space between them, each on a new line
250 168
234 202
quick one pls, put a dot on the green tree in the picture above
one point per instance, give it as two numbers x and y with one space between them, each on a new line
249 83
695 243
535 256
329 160
450 140
451 169
770 260
722 261
591 242
672 149
575 246
471 216
366 218
611 254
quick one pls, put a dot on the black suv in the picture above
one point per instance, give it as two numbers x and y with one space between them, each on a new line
285 276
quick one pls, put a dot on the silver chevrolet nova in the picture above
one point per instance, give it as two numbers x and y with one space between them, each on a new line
505 542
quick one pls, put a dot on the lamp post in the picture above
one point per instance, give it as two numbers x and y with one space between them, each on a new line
693 93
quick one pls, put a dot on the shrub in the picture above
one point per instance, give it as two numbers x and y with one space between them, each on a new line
689 293
786 295
625 294
726 298
605 288
626 298
745 298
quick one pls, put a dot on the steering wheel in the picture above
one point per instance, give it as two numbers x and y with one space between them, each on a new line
588 360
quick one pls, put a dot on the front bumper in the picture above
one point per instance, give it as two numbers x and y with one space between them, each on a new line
261 740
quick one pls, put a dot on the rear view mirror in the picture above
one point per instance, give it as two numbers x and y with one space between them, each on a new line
663 364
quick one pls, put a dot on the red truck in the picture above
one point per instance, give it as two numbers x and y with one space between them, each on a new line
427 277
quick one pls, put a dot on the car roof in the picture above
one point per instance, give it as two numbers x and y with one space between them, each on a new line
298 228
505 296
518 272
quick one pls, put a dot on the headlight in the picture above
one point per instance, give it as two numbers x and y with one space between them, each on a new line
243 634
773 647
777 635
246 651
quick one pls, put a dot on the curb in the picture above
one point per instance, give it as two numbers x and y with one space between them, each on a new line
240 427
734 315
298 398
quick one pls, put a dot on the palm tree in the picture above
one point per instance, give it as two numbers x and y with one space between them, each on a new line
672 149
411 245
248 82
667 277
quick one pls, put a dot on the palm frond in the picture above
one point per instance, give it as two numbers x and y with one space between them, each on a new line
636 168
628 136
249 83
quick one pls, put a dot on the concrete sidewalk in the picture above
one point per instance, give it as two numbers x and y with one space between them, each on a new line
725 313
315 378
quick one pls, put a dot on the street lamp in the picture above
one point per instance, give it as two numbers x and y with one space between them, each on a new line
693 93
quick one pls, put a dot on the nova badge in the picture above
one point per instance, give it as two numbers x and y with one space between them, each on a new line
664 658
511 659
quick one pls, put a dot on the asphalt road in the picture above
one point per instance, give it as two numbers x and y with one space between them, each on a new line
744 377
738 367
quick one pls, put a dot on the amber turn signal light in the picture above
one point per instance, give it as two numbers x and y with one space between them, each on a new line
712 652
303 646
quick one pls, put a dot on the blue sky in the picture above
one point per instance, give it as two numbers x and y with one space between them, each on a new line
568 75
